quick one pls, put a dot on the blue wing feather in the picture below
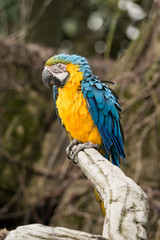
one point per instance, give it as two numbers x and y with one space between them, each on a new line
104 109
90 94
110 122
101 118
93 109
115 128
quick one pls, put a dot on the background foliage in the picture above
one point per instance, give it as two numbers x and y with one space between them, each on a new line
121 41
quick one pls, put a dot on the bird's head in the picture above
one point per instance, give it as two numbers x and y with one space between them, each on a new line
62 68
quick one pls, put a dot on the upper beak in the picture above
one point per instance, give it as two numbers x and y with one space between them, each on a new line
49 79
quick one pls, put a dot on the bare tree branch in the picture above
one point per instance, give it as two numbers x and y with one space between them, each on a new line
125 203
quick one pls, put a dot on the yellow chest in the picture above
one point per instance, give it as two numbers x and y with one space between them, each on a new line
75 116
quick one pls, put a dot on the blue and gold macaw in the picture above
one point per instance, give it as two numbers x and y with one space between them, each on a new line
87 108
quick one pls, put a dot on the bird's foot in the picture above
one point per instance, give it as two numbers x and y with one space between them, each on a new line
76 146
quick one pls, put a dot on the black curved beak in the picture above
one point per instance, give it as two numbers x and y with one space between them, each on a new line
49 79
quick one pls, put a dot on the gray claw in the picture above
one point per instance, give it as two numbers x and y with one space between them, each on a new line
70 146
75 147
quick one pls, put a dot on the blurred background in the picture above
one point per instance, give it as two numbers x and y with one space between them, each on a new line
121 40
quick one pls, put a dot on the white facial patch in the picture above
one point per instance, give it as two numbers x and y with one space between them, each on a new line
58 68
61 76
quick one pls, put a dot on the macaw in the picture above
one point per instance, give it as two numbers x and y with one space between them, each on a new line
86 107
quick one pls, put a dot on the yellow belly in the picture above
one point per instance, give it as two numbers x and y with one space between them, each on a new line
75 116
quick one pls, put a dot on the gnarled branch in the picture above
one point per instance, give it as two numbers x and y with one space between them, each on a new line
125 203
39 231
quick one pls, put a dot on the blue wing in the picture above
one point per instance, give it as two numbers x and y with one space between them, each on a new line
104 108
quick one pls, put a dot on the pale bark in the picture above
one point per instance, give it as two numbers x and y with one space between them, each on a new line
38 231
125 203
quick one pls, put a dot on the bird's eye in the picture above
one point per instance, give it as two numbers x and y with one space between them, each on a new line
59 65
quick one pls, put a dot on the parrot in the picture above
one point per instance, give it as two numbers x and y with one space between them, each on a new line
88 109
